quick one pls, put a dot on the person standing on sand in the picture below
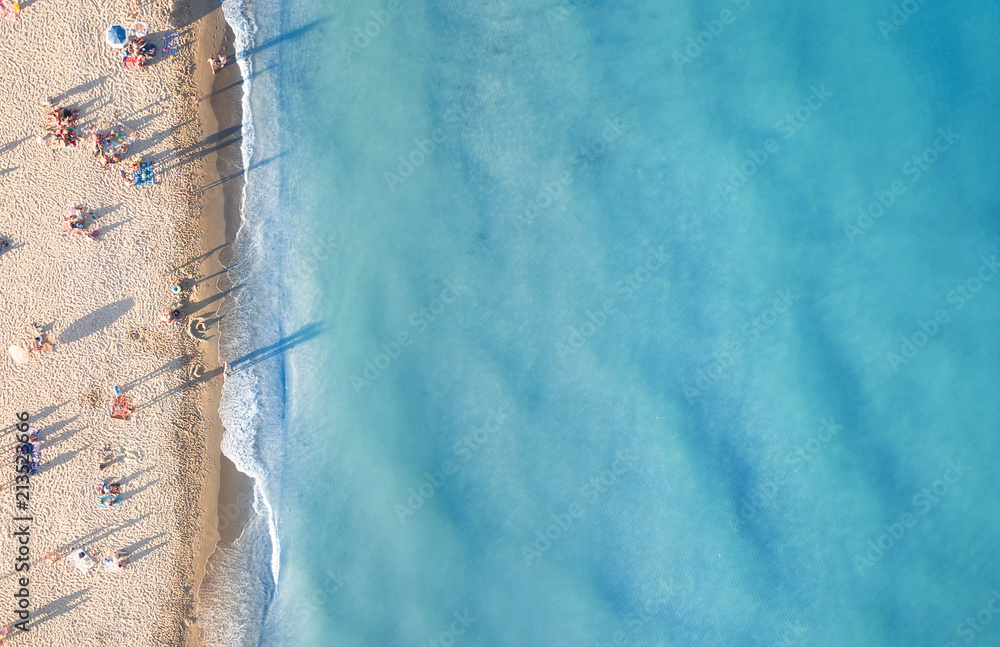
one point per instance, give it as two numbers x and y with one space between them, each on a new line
218 62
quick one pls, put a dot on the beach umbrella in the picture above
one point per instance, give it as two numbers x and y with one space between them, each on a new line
116 36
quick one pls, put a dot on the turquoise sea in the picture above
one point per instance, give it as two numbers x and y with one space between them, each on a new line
647 323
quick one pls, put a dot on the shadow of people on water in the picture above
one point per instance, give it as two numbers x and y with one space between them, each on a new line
301 336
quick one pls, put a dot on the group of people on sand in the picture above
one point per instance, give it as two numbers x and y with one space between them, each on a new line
105 158
114 560
75 222
171 314
60 126
218 62
139 51
109 494
139 173
110 145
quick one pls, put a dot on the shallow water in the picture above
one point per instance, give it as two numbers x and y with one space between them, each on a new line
562 325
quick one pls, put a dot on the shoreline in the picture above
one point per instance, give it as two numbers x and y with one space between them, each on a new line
218 105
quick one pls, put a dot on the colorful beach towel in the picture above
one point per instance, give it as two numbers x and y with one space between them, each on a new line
171 44
9 10
138 29
145 174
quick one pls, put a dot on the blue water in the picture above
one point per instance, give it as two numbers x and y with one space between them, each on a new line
590 323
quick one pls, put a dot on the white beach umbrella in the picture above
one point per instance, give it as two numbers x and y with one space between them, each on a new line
18 354
116 36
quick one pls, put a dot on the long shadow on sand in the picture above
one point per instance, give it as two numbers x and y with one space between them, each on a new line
83 87
97 320
173 365
241 172
194 306
58 607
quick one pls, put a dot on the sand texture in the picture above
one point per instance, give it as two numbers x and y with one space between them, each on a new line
100 302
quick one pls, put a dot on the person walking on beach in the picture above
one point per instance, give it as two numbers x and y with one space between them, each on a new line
218 62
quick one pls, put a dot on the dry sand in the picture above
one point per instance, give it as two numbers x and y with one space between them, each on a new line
101 300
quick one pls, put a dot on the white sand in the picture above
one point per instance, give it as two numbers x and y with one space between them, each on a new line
101 300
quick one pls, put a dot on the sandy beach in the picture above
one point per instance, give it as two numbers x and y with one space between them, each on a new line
99 302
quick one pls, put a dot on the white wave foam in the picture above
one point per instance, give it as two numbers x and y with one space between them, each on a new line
245 406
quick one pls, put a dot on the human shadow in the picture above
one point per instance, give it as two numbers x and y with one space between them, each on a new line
8 170
198 259
62 459
194 306
12 247
138 546
58 607
288 36
146 142
241 172
235 84
128 495
97 320
100 534
134 558
211 321
283 345
52 438
46 437
212 276
35 418
9 146
187 384
100 212
183 386
211 144
106 230
169 367
83 87
134 475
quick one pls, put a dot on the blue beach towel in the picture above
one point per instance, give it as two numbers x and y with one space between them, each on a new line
145 174
171 44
